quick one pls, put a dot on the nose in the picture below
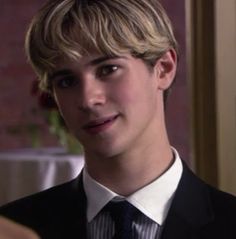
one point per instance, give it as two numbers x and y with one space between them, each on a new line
92 95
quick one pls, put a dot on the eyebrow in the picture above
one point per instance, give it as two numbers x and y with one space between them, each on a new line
102 59
60 73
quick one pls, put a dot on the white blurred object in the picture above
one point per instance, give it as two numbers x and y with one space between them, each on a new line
27 171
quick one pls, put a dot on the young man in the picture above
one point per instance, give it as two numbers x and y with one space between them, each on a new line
108 65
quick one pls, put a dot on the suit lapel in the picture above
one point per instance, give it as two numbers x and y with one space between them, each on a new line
190 210
175 227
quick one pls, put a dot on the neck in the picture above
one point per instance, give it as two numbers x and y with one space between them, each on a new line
132 170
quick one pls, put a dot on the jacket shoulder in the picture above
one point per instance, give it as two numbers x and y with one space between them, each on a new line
223 203
199 210
40 205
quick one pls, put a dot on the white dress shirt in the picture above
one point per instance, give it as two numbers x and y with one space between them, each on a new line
153 200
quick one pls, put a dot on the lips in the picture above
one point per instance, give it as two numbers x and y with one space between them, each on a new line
99 125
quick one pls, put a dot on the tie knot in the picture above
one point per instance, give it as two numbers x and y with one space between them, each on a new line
121 210
123 214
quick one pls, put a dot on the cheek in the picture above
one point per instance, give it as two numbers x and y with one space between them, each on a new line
138 91
64 101
65 108
60 104
124 94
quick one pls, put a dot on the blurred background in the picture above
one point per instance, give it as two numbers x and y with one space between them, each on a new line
201 110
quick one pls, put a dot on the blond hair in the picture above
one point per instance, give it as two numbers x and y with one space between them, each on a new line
73 28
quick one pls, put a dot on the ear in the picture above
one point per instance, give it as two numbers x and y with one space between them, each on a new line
166 69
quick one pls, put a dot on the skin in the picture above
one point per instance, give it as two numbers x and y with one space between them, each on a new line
12 230
114 106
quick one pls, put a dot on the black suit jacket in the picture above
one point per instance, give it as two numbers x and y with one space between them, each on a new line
198 211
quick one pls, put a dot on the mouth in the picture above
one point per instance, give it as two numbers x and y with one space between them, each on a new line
99 125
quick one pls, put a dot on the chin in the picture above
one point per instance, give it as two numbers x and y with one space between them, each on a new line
105 151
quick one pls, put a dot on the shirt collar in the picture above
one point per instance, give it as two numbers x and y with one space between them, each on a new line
153 200
97 195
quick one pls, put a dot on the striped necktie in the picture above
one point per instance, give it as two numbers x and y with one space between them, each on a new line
122 213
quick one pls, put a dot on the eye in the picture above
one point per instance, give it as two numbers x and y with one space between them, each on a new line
65 82
106 70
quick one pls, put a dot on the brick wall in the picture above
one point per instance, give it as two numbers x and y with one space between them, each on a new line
19 116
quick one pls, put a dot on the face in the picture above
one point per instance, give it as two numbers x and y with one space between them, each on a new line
112 105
